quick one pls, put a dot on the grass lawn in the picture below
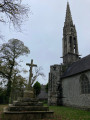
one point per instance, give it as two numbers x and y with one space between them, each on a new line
67 113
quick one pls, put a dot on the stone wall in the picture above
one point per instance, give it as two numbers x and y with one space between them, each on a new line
54 85
70 58
72 93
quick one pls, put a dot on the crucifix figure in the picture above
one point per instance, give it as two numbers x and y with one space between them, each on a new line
31 65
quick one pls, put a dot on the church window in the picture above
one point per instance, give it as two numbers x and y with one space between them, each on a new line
70 40
74 44
74 41
85 84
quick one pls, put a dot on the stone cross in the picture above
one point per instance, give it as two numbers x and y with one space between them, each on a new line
31 65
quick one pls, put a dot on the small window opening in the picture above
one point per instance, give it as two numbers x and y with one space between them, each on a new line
74 45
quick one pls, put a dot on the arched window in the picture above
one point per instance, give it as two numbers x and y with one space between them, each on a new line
74 45
74 40
85 84
70 40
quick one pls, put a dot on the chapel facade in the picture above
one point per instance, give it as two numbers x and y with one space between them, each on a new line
69 82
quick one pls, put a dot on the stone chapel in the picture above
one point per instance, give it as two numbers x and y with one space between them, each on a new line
69 82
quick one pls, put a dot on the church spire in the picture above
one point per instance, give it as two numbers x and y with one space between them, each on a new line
68 19
70 43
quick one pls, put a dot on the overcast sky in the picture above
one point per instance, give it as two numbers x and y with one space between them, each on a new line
43 31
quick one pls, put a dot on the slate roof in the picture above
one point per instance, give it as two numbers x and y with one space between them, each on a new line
43 94
78 67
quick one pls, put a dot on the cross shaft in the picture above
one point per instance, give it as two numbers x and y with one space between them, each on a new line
31 65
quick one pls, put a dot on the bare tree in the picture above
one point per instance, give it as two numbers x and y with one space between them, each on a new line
38 72
12 11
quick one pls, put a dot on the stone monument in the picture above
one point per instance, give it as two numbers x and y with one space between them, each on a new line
28 107
29 90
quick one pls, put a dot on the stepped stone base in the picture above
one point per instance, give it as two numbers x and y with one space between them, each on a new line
35 115
27 109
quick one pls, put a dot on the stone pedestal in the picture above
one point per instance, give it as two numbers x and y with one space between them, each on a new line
29 94
27 108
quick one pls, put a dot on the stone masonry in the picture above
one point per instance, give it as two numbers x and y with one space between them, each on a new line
54 89
70 55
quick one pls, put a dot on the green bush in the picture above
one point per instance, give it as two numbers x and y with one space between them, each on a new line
37 88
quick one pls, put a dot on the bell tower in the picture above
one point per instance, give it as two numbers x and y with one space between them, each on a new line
70 44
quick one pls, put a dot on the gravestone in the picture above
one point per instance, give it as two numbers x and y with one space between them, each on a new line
28 107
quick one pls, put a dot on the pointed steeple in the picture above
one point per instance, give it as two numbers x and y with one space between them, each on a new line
70 43
68 19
